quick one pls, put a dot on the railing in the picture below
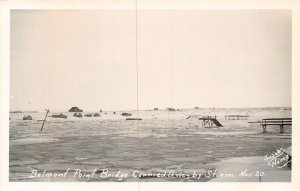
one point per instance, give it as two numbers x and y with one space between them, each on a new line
276 121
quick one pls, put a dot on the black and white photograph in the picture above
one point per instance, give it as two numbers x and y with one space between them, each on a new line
150 95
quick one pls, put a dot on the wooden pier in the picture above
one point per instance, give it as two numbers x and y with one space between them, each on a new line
236 117
207 121
210 121
281 122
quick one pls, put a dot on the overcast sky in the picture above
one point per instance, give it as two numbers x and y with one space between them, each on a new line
187 58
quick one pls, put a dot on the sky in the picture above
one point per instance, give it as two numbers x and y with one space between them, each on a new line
186 58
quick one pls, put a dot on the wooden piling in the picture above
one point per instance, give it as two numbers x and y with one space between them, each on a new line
45 119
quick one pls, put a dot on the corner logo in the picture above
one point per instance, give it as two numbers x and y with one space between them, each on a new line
279 159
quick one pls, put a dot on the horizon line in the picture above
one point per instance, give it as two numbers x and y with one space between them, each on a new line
152 109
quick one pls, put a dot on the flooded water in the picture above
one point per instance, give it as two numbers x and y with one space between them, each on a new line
161 141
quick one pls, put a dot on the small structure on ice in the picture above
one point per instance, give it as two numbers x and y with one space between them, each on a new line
88 115
171 109
27 117
126 114
75 109
96 115
132 118
77 115
59 116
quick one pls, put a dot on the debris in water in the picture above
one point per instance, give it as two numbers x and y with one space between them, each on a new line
96 115
77 115
126 114
59 116
27 117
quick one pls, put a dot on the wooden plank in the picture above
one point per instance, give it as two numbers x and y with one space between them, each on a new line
276 123
278 119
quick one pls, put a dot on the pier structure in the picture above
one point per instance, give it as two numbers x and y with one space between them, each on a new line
281 122
210 121
236 117
207 121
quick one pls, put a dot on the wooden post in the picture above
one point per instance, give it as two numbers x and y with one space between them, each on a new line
281 128
263 123
45 119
